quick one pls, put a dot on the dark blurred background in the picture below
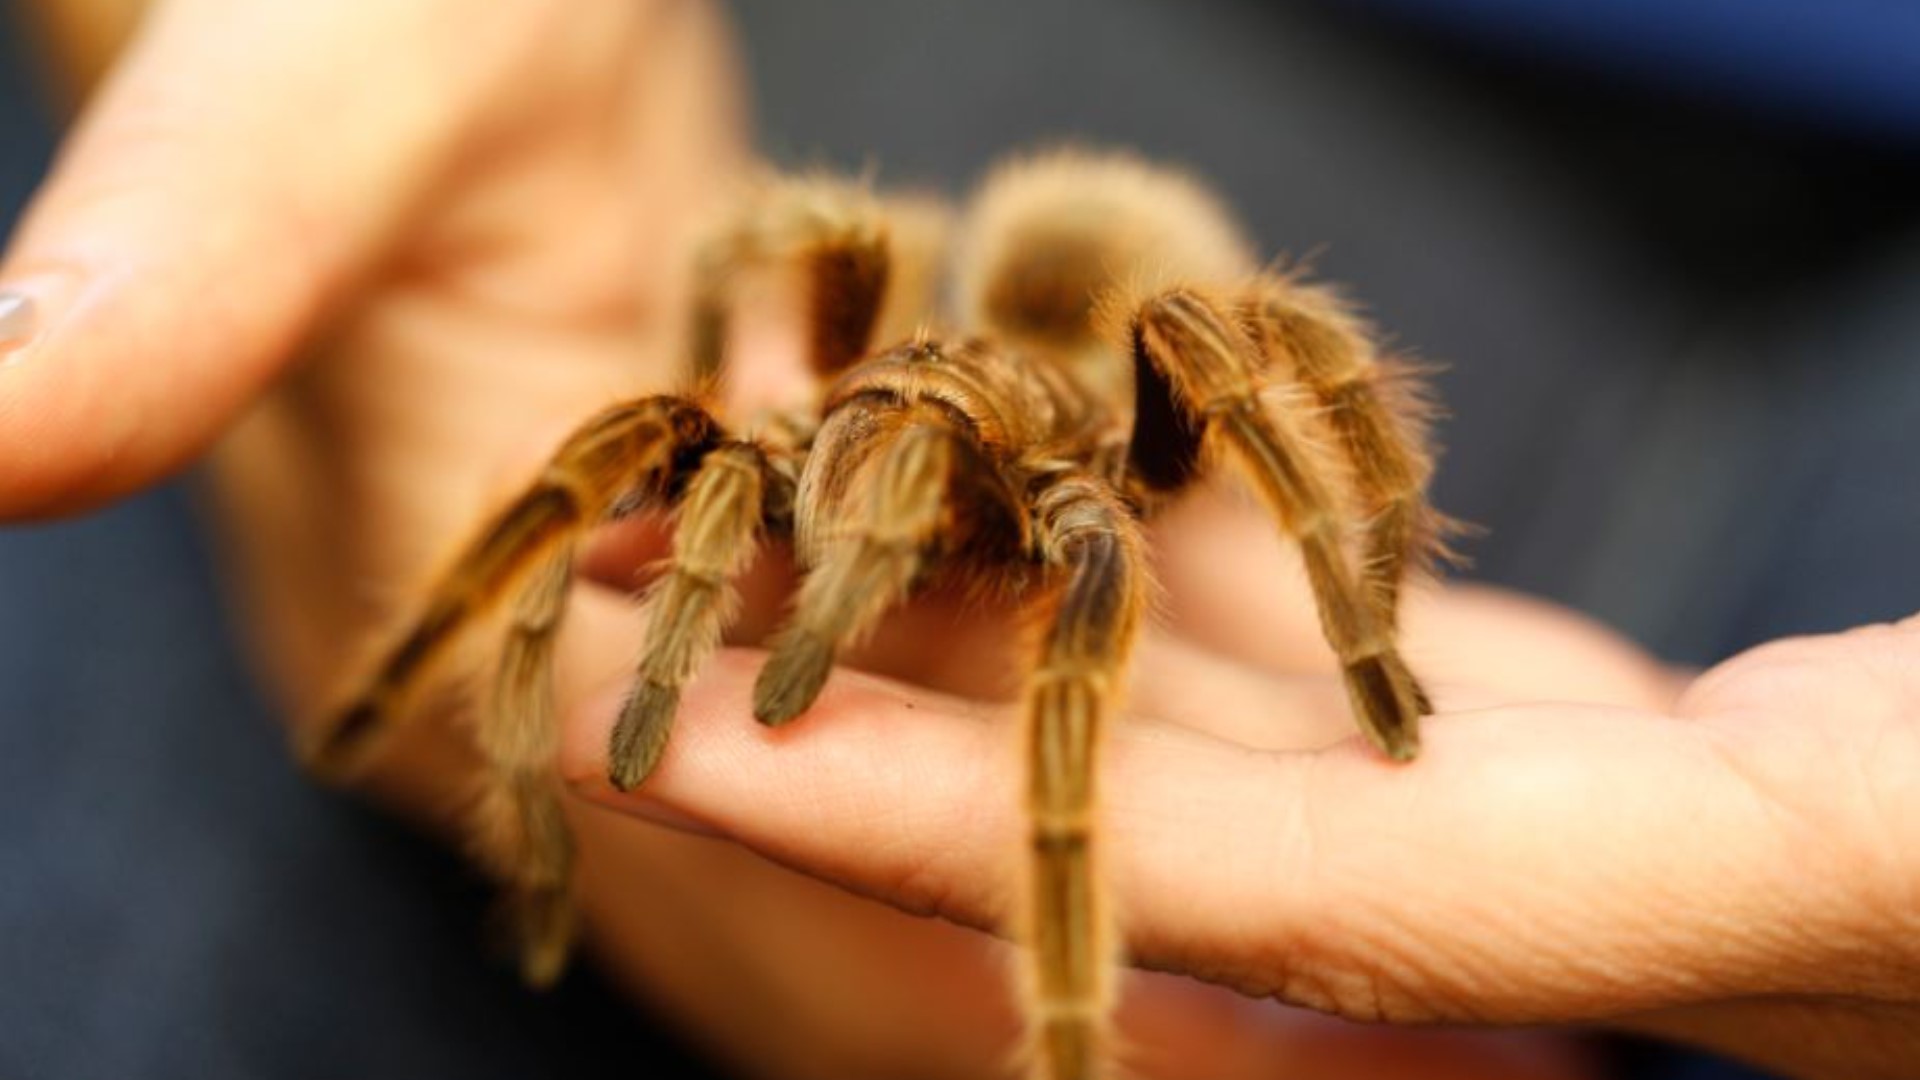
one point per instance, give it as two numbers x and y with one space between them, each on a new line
1670 253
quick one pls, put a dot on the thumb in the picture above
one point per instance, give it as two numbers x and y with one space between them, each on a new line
243 161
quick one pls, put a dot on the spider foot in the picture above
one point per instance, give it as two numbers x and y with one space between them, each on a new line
640 737
543 924
792 678
1388 702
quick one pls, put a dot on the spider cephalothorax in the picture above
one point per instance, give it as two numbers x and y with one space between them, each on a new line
1116 340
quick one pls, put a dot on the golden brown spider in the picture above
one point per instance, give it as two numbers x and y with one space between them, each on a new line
1120 337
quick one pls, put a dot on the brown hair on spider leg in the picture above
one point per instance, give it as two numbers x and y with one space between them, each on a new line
896 526
1085 629
1378 414
525 556
1213 370
715 536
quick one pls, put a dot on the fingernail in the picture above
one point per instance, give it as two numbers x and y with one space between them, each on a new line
17 317
36 304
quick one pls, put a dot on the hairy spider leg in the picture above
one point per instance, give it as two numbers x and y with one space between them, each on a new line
630 453
890 497
1087 628
1210 369
1379 413
720 521
865 266
520 833
918 465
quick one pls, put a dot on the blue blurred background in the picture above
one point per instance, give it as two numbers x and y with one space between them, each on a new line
1669 251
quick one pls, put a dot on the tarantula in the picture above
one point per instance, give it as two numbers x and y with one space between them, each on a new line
1119 341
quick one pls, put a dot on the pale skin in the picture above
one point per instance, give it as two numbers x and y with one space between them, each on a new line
380 312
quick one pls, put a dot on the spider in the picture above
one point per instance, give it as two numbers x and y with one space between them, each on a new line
1119 342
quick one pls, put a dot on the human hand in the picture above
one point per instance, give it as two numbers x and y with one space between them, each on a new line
369 252
1585 840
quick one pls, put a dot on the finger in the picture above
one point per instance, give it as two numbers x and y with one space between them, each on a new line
1535 864
229 180
1167 1020
1209 547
